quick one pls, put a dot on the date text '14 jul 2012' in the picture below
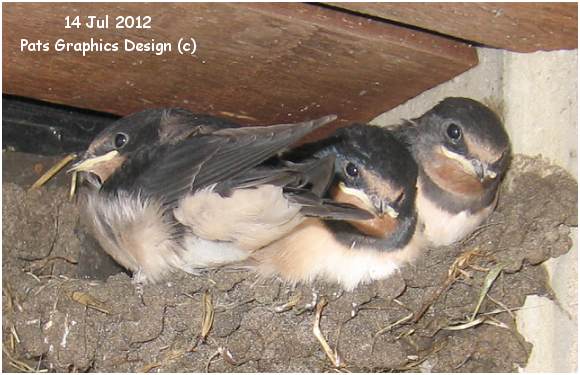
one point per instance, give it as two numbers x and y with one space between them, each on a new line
103 22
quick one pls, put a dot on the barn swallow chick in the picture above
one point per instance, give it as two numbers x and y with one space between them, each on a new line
166 126
169 194
463 151
374 171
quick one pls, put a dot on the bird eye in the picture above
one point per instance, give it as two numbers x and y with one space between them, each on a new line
351 170
121 140
454 132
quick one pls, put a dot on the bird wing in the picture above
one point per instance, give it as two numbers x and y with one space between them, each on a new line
314 175
208 159
327 209
176 124
303 183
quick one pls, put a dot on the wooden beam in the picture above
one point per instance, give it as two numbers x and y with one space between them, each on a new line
520 27
256 63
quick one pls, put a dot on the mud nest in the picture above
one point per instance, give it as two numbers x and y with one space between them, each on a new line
425 318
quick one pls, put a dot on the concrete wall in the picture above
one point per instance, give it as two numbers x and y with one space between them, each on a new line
537 96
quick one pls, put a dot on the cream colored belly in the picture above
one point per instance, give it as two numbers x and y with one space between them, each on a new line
137 235
249 218
443 228
311 252
199 253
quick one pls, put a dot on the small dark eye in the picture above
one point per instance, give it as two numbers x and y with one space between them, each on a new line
120 140
454 131
351 170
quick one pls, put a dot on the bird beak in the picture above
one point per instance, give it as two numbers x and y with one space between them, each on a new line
379 226
472 166
88 164
389 210
482 170
379 206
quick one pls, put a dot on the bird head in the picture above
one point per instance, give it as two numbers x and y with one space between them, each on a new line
376 173
462 145
134 133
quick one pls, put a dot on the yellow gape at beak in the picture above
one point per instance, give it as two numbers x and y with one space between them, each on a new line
88 164
359 195
473 167
490 174
465 164
391 212
367 201
381 225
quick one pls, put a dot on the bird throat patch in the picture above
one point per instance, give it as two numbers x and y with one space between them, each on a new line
450 176
376 227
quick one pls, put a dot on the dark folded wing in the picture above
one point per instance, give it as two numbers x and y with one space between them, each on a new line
303 183
314 175
208 159
177 124
314 206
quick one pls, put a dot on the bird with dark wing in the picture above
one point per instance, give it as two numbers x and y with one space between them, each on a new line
172 190
131 133
375 172
463 152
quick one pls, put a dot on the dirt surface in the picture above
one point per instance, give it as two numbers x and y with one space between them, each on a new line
53 319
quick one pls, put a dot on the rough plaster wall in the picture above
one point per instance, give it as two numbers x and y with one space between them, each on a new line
483 83
541 90
555 349
537 96
555 329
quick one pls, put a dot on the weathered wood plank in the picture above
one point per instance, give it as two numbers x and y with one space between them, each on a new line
256 63
520 27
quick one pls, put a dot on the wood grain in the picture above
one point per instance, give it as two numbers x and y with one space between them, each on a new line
520 27
255 63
